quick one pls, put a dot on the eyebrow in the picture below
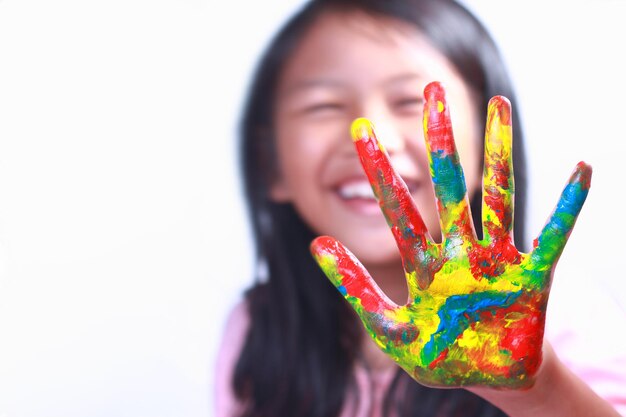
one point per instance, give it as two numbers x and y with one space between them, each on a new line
409 76
311 83
330 83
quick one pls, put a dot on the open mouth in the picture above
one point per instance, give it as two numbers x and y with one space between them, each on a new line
356 190
359 196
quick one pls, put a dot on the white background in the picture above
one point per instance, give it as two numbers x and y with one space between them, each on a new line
123 239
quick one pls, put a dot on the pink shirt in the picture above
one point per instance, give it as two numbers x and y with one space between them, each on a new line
603 370
372 385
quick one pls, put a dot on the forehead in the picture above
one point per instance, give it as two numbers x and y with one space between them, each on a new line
360 49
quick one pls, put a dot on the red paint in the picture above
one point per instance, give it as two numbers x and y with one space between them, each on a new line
439 127
501 173
354 278
524 330
443 355
477 355
582 174
503 109
490 261
464 223
394 197
502 211
356 287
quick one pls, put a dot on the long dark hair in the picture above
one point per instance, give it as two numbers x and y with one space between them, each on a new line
303 338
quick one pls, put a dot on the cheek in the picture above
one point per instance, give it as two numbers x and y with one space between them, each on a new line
307 143
301 152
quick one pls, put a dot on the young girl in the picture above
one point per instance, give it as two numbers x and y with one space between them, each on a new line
294 347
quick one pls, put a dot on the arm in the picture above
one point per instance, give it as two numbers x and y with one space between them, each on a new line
585 339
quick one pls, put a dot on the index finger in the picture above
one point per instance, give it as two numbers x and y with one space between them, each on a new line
395 201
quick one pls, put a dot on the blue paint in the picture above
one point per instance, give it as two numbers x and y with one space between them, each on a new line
554 234
342 290
448 178
458 313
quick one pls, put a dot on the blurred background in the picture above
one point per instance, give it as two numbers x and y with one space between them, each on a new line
123 237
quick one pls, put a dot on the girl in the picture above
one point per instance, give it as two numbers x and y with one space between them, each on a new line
294 347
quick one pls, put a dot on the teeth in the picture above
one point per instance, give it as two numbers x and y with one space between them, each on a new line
361 189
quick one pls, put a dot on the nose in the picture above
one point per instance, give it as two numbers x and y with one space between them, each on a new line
389 134
388 129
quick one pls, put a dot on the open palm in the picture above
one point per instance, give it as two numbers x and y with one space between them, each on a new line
476 309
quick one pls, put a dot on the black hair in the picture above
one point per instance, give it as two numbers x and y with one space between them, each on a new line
303 338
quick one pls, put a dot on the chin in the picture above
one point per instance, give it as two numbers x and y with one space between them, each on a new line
378 260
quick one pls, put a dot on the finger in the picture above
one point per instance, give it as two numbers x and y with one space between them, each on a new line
395 201
349 276
498 184
445 166
551 242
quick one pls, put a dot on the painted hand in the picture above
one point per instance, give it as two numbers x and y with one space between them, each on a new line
476 309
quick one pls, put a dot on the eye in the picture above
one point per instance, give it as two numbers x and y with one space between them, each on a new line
409 105
324 107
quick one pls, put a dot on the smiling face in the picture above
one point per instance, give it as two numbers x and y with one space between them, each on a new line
351 65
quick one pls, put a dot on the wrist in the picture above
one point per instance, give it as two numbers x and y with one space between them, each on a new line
556 392
527 401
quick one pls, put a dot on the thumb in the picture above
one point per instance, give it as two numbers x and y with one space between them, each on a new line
350 277
377 312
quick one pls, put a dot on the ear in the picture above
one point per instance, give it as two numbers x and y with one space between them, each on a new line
279 191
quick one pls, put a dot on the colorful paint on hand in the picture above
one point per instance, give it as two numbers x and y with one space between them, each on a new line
477 308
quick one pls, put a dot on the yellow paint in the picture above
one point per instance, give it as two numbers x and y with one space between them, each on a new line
361 129
461 281
482 342
498 149
424 317
452 213
469 339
